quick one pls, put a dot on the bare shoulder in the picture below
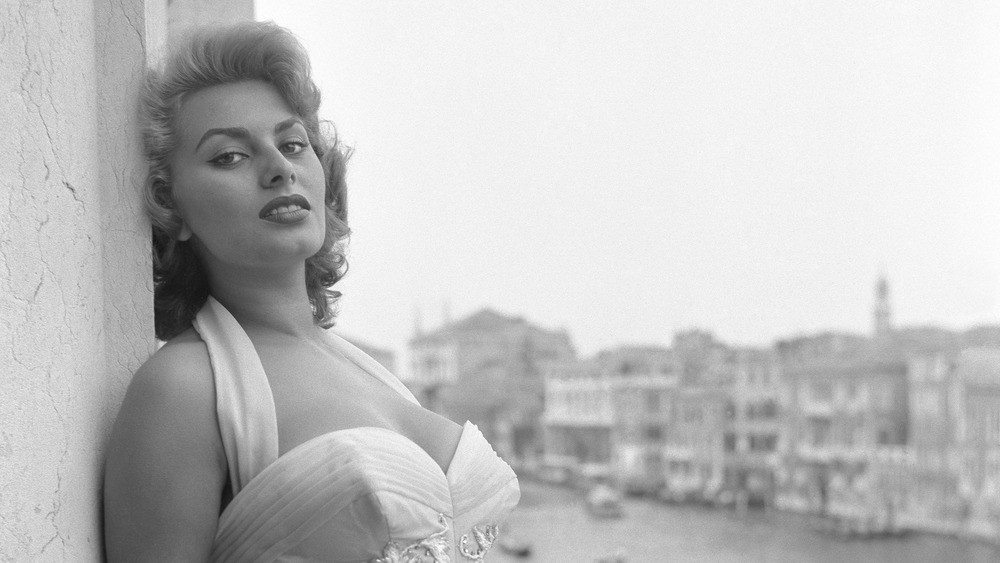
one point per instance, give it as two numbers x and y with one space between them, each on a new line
176 380
171 398
166 469
181 365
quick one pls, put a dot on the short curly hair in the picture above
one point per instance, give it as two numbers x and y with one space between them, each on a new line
220 55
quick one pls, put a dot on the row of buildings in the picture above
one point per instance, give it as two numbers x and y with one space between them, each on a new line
901 426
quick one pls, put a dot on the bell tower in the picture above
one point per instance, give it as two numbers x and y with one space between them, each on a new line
882 312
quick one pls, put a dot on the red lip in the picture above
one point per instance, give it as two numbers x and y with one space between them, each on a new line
283 201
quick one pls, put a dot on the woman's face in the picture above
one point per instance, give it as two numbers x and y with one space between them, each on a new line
247 184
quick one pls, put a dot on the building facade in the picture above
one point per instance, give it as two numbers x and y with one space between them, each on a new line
487 368
978 375
848 405
754 433
895 430
607 418
935 406
578 420
694 454
644 382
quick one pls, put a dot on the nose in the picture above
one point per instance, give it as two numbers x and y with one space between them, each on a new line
277 170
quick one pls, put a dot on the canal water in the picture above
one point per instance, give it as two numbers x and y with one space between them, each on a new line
555 522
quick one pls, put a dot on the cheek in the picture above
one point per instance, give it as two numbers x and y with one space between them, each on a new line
314 179
203 200
313 170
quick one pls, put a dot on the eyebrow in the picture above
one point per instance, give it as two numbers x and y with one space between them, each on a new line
243 133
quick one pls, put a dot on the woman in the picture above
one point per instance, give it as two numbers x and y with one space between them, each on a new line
254 434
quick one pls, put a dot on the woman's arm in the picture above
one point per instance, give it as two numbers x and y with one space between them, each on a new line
166 467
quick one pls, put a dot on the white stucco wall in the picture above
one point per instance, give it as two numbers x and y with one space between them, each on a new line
75 290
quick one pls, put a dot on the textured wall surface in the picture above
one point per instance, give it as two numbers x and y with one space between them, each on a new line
75 295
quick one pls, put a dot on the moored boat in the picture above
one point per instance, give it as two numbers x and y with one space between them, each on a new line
513 545
604 502
618 556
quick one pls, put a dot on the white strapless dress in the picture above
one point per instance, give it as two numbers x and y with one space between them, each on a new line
361 495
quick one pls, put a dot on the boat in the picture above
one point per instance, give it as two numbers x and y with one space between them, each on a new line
604 502
513 545
618 556
858 528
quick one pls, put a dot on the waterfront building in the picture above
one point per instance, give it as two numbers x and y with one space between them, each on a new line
694 454
487 368
693 449
949 478
700 359
898 429
577 422
848 402
607 417
643 384
935 413
754 433
978 375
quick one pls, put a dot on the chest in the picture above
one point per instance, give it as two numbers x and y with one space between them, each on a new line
317 391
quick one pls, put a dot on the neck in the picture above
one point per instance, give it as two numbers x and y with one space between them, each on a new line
274 300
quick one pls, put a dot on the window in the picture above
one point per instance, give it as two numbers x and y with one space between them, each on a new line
654 432
769 409
771 442
729 441
822 391
764 409
885 436
766 443
819 432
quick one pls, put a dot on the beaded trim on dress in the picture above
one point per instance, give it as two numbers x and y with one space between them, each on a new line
435 548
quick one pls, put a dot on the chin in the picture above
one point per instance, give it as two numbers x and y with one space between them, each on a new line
288 251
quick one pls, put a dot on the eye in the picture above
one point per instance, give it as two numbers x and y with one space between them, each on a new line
293 147
229 158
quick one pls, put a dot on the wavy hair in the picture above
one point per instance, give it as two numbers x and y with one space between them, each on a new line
220 55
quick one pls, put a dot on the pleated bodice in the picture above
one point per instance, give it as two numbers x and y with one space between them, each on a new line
356 495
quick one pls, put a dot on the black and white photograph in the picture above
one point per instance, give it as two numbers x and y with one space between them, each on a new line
544 282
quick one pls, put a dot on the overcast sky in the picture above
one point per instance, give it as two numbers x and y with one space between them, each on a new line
629 169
